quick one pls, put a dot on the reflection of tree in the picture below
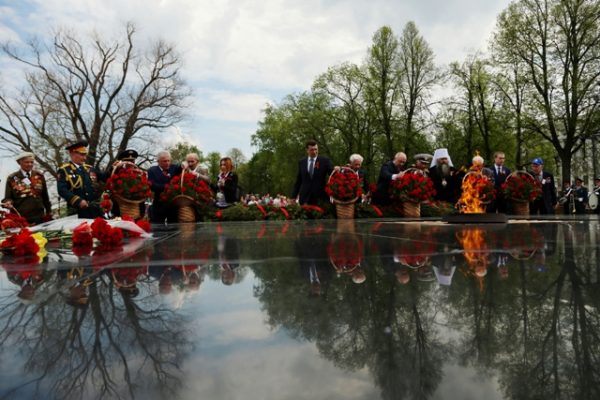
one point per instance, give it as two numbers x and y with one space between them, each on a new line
379 324
98 349
540 329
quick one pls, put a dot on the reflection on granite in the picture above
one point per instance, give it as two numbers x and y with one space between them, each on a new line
314 309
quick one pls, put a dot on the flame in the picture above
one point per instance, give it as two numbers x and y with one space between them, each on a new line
470 202
476 251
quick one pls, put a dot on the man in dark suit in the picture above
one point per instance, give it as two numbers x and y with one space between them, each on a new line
388 172
313 172
500 172
546 203
159 175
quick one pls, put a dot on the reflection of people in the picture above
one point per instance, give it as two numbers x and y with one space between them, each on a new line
78 183
27 192
546 203
314 266
388 172
445 178
311 180
228 252
159 176
227 182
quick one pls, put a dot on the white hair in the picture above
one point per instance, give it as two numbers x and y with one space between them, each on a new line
163 154
356 157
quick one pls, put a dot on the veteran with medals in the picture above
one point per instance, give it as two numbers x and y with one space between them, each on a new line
78 183
26 191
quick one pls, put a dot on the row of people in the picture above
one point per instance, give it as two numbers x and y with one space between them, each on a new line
79 184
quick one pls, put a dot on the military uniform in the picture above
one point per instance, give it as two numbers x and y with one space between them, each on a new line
76 183
29 195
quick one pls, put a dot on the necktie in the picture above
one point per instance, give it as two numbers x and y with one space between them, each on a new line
311 167
28 175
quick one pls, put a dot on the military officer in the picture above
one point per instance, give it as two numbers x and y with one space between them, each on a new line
581 196
79 183
27 192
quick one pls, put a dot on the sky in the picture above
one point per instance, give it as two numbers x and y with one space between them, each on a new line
241 55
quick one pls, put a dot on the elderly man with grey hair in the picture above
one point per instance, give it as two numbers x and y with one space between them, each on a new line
192 165
27 192
389 172
356 161
159 175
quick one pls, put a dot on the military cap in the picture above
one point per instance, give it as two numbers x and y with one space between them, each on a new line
78 147
127 155
23 155
423 157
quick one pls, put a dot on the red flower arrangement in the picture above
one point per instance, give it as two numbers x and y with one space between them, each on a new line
21 244
345 252
129 183
313 212
414 187
415 253
189 186
106 234
521 186
344 185
11 220
82 235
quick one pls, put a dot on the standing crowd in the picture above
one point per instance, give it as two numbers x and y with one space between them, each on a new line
80 184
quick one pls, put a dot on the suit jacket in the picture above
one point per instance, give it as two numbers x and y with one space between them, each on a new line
312 189
499 204
499 179
159 180
382 195
545 204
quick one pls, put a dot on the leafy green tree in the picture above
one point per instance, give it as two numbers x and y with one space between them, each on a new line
558 42
384 85
180 150
418 74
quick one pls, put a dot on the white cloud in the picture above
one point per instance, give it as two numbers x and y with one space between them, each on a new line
240 55
227 105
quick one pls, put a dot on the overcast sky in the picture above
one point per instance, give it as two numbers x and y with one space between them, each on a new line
240 55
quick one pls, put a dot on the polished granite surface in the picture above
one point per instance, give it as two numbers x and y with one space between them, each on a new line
311 310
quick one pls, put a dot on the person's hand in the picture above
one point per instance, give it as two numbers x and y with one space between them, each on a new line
7 203
580 199
337 168
395 176
184 165
83 204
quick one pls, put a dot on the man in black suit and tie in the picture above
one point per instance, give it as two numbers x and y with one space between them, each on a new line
313 172
389 172
500 172
546 203
159 175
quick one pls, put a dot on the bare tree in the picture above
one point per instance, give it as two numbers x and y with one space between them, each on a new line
109 93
